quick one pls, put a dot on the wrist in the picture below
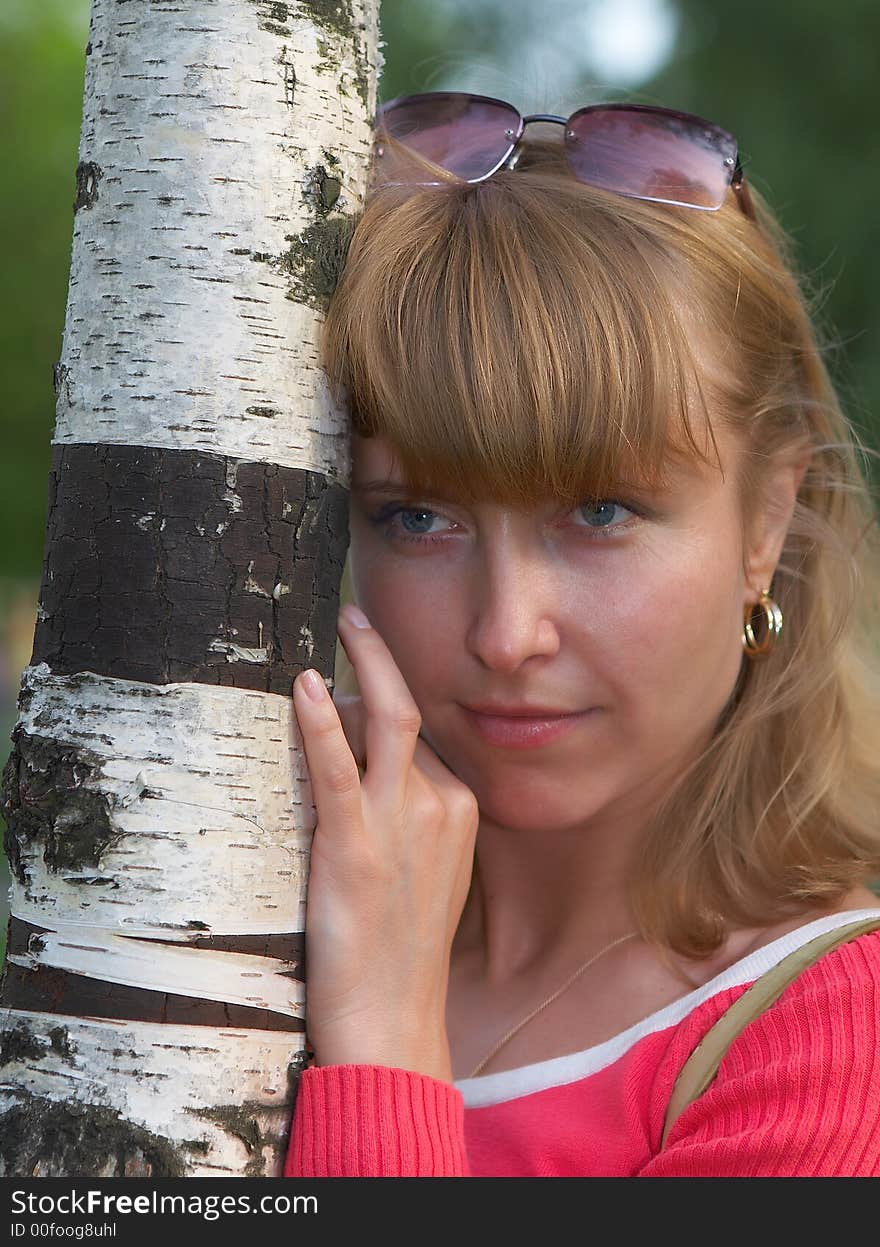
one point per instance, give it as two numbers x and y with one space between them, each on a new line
426 1057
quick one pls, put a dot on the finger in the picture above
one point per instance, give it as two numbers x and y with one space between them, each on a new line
333 772
350 709
445 781
432 766
392 718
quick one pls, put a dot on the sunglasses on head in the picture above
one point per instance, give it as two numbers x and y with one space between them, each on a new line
435 137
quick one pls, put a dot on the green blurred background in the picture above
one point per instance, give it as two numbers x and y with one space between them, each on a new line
797 84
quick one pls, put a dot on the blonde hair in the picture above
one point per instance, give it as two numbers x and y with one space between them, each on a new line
532 336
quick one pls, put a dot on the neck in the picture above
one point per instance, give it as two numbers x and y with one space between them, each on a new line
546 893
540 898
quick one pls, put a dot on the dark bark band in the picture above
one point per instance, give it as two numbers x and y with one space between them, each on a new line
179 565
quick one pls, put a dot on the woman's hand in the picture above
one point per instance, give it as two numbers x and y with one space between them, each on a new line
390 869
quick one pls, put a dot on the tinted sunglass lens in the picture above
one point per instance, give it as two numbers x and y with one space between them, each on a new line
425 139
652 155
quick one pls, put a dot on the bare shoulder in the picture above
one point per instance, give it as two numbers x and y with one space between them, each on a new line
858 898
741 943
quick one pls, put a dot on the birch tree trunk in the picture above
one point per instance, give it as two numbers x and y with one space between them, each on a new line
158 809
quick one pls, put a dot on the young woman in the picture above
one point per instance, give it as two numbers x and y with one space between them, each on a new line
591 788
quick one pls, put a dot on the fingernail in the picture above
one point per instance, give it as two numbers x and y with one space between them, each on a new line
314 685
355 616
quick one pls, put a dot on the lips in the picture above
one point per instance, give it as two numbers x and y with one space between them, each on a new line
523 730
498 710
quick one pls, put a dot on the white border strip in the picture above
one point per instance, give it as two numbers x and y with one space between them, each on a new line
509 1084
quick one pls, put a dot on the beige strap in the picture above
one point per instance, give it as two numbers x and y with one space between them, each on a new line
702 1065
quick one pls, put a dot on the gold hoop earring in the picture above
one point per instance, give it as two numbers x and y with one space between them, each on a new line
773 616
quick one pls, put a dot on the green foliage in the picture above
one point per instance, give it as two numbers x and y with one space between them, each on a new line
425 41
41 68
798 85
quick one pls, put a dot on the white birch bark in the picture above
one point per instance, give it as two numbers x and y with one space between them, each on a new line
223 151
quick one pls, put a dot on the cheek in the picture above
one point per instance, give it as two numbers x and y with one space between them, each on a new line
676 648
414 616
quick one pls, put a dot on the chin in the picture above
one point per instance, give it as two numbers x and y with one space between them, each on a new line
522 808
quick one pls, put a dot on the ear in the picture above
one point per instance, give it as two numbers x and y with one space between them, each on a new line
768 528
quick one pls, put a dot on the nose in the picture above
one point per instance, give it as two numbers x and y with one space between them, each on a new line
514 608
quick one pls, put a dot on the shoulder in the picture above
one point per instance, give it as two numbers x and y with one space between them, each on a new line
798 1091
831 1005
851 967
834 1001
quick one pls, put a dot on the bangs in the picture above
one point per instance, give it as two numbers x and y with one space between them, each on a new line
515 340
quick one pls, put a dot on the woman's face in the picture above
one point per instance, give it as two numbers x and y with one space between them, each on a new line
630 610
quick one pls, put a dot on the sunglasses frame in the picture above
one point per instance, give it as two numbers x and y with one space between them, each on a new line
511 156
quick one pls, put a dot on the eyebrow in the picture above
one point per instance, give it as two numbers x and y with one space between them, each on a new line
379 487
385 487
393 488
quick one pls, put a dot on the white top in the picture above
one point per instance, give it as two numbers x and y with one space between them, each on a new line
509 1083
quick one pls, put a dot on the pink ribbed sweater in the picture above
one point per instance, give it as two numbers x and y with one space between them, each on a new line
798 1093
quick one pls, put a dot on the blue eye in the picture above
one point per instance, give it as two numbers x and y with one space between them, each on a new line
414 522
603 512
414 519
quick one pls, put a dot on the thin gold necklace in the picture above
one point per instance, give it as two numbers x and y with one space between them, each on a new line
568 982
